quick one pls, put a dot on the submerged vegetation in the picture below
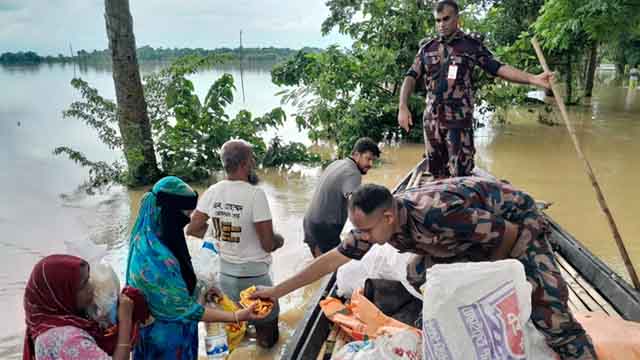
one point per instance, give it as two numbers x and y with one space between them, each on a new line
149 53
342 94
187 131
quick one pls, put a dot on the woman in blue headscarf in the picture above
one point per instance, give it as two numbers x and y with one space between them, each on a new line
160 266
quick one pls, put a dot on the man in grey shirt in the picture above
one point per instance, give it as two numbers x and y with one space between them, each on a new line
327 213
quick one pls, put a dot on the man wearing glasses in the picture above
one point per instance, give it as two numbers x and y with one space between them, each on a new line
445 64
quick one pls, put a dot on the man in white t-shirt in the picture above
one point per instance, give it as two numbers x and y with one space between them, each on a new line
243 230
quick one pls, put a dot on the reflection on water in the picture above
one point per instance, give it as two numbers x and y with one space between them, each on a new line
35 220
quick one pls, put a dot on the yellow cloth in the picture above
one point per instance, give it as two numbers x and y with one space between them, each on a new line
235 333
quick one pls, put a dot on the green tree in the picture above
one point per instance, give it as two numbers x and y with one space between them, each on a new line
342 94
187 131
576 28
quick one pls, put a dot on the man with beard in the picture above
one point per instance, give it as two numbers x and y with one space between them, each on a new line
242 226
327 212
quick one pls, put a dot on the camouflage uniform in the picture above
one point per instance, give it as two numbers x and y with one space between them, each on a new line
463 219
448 117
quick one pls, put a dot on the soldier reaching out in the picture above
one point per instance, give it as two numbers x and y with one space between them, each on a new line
459 220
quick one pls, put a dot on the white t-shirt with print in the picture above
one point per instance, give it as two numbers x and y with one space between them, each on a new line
233 207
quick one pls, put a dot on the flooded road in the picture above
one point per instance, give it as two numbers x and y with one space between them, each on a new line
35 220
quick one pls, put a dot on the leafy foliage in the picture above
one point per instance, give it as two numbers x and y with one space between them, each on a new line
188 132
342 95
280 154
101 174
97 112
571 26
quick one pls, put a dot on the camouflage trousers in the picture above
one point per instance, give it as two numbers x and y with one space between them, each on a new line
549 310
450 151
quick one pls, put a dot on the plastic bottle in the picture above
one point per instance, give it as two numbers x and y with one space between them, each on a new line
215 342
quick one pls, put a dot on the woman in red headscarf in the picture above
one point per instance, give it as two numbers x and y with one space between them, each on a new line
55 302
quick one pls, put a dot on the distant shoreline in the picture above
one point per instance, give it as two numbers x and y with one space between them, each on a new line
148 53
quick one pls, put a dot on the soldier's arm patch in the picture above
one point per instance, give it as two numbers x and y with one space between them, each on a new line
411 73
353 247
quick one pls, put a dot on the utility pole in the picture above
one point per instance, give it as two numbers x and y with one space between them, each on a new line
72 60
241 70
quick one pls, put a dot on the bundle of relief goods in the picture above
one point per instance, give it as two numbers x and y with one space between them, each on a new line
106 287
480 311
380 262
361 319
403 345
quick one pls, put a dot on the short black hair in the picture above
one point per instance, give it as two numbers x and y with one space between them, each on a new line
370 197
366 144
439 6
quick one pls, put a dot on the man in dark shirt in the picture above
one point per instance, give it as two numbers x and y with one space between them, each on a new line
327 213
460 220
445 64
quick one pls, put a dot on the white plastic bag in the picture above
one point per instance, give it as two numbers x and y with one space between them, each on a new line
403 345
479 311
380 262
86 250
105 294
102 277
206 265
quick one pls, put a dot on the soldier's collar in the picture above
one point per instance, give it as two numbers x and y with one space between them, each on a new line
401 216
458 34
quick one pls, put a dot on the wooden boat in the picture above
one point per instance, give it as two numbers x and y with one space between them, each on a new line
593 286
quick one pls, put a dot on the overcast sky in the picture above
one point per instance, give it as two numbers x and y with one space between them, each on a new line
48 26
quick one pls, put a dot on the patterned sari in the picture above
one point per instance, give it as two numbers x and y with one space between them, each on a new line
159 265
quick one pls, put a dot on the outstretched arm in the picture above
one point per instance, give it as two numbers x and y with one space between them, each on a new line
320 267
512 74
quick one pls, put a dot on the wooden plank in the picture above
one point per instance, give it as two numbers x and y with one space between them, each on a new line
412 179
578 305
590 290
618 293
572 307
574 296
416 180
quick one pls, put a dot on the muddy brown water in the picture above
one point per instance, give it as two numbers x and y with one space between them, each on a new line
35 220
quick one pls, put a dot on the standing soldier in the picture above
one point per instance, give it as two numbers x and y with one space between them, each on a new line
445 64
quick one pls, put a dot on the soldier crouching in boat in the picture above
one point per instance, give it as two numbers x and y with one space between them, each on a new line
460 220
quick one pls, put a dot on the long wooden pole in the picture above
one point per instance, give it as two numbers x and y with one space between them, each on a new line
592 177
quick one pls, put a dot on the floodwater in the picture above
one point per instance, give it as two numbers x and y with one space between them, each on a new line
40 210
